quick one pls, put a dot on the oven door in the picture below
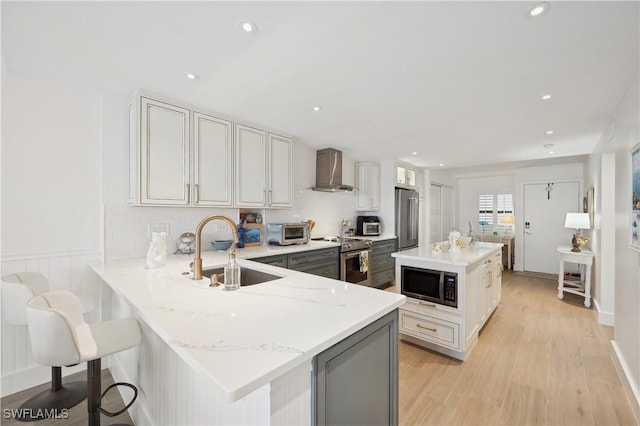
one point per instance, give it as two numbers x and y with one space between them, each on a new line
354 267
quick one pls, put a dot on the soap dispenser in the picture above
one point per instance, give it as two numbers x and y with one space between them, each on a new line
232 273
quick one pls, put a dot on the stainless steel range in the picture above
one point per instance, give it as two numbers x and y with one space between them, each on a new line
354 260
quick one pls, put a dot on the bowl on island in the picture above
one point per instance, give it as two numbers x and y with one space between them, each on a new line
221 245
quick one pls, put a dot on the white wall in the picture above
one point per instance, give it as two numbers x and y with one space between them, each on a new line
50 168
627 262
51 215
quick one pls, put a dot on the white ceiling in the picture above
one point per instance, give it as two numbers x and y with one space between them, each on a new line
458 82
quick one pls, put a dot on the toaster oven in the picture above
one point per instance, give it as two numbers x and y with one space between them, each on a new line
284 234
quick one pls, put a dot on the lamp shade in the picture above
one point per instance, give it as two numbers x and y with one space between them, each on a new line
577 221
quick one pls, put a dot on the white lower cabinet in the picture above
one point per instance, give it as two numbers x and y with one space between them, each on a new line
490 287
433 329
451 330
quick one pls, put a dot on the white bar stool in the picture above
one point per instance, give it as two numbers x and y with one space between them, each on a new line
60 336
17 289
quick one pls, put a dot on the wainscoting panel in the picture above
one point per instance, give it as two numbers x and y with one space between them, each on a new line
65 271
173 392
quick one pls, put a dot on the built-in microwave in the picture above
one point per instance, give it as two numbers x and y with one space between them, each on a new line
283 234
430 285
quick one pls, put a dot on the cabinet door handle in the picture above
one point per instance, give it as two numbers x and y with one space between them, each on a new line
431 305
188 193
197 195
427 328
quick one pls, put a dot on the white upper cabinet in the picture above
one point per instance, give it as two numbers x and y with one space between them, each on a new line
250 164
179 156
367 186
159 153
264 168
212 161
280 171
410 177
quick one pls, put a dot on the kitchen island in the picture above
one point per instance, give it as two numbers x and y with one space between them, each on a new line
450 327
210 356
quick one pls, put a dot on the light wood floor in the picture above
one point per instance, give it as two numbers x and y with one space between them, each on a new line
77 415
539 361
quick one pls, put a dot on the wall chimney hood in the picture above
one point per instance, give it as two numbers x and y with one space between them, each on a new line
329 171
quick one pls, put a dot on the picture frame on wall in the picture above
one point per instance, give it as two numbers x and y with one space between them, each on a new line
634 225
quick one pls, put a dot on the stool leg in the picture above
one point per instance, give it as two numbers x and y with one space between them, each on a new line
94 391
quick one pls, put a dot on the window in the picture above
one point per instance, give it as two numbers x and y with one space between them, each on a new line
485 212
495 212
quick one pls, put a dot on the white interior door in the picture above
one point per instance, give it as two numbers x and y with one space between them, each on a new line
544 215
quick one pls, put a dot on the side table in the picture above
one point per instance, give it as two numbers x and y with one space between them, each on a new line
576 285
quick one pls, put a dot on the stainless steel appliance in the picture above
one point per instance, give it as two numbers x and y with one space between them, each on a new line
429 285
329 171
407 218
283 234
368 225
354 260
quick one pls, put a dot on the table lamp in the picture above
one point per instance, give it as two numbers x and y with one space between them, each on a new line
577 221
508 221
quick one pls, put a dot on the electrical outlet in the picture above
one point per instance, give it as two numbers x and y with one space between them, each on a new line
221 227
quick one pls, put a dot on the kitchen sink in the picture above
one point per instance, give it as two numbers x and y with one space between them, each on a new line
247 276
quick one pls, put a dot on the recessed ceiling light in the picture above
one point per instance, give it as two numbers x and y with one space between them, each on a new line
414 153
441 165
549 132
248 27
538 9
316 108
191 76
546 97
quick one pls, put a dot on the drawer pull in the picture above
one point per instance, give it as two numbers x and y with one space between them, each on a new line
427 328
431 305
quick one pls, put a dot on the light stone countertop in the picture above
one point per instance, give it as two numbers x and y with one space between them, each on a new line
246 338
466 257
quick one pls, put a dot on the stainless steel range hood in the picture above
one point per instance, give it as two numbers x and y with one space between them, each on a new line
329 171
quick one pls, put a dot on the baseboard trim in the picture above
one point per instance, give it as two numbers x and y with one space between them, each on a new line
630 386
604 318
34 376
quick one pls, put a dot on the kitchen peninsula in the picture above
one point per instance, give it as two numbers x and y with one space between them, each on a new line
447 317
210 356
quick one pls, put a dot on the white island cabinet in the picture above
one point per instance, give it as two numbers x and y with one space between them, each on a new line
451 330
214 357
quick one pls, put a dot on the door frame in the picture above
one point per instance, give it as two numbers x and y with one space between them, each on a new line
519 214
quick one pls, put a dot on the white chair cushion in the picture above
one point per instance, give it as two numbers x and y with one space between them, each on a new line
17 289
115 335
59 335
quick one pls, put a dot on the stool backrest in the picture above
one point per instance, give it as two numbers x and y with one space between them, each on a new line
59 335
17 289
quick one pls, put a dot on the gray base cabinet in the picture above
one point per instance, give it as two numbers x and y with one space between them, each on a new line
355 382
279 260
323 262
382 265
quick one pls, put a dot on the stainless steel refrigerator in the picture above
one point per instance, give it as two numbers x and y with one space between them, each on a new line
407 209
